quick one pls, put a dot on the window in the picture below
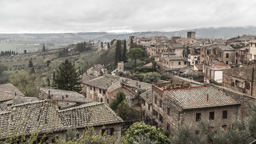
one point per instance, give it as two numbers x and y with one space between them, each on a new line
108 131
104 92
211 116
148 107
168 127
101 100
93 88
198 116
179 63
160 103
227 55
90 88
224 127
161 118
168 111
197 132
247 85
143 102
107 100
100 90
226 62
155 100
224 114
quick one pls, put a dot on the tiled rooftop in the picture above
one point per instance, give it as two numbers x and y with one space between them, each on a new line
103 82
8 91
193 98
147 96
44 116
71 96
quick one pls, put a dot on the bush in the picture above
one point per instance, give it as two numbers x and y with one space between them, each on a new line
165 77
139 77
144 69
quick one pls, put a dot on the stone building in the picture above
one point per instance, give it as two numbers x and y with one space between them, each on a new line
252 50
214 71
96 70
169 108
241 79
63 98
191 34
45 119
120 66
105 88
170 64
10 95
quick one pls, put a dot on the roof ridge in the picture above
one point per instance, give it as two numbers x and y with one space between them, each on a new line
81 106
28 103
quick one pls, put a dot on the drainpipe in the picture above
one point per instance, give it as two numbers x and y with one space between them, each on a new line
252 80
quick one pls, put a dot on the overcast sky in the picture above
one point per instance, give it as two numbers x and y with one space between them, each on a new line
36 16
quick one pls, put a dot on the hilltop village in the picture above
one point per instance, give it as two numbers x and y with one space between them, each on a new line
161 84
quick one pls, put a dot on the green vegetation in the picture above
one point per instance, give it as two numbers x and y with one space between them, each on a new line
140 128
121 107
27 83
118 54
120 97
67 77
135 54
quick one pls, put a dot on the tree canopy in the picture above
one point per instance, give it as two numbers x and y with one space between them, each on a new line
67 77
120 97
27 83
135 54
140 128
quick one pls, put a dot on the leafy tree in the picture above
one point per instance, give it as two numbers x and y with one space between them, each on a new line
120 97
118 54
141 139
135 54
252 120
140 128
124 58
71 134
185 135
151 78
67 77
27 83
126 112
2 68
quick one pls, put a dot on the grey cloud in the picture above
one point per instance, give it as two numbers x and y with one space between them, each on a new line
122 15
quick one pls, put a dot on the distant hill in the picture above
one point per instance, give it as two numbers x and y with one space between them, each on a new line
68 38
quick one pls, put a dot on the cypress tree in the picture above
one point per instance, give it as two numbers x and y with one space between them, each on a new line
124 52
30 64
44 48
108 45
118 54
67 77
131 45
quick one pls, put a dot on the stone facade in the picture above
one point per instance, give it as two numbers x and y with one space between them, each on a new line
241 79
170 108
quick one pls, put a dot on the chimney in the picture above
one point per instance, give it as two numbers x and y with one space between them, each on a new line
207 97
